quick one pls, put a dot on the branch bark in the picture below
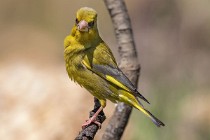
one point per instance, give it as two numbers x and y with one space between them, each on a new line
128 64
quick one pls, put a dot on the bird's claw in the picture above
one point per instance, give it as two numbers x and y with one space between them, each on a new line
89 121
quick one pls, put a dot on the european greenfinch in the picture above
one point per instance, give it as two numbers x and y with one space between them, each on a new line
91 64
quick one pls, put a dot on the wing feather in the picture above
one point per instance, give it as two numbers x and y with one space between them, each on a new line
106 67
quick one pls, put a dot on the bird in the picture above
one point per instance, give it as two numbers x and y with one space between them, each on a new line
90 63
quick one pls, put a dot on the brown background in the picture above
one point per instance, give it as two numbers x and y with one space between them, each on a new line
39 102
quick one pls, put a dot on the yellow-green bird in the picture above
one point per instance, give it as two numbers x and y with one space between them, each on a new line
91 64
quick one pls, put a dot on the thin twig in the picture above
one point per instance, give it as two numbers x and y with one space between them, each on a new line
89 132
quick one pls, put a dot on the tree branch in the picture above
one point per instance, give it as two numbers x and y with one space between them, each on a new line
128 64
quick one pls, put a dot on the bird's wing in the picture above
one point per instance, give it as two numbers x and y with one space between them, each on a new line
103 64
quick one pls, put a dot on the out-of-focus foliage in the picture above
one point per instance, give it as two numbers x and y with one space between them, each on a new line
38 101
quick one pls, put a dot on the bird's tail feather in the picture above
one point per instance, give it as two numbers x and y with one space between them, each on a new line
155 120
131 100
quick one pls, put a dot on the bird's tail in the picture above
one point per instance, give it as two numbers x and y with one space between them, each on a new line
155 120
128 98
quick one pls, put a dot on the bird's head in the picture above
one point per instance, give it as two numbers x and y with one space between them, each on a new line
86 24
86 19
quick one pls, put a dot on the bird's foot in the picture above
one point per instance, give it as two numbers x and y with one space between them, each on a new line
91 120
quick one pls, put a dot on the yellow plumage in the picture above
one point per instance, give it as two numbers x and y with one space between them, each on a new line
90 63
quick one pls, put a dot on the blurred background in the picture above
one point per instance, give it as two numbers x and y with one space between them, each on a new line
39 102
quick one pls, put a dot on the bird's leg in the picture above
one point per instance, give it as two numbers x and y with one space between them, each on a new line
93 118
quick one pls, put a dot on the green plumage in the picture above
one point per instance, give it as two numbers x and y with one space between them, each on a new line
90 63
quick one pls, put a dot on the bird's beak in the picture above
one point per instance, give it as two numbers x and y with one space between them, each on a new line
83 26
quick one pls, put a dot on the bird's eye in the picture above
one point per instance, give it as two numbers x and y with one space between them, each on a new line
91 24
76 21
